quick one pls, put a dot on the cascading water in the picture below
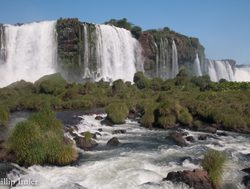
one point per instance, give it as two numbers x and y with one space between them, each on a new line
141 161
175 66
2 44
31 52
220 70
117 54
197 65
242 74
87 73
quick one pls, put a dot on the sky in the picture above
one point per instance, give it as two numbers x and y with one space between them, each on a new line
223 26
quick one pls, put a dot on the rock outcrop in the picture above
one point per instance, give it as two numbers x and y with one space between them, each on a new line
71 36
177 138
113 142
84 143
197 179
157 50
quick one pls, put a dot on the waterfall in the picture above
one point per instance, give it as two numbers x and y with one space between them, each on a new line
87 73
31 52
220 70
197 65
175 66
116 53
242 74
2 45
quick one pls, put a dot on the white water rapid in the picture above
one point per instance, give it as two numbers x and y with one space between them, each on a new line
141 161
31 52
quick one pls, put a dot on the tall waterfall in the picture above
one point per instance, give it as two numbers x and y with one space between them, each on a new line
162 59
175 66
31 52
197 65
220 70
117 53
242 73
2 44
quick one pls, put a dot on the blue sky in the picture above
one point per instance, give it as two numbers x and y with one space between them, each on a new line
223 26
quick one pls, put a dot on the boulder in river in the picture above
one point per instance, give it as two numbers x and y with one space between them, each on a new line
246 170
197 179
119 131
98 117
178 139
202 137
85 144
113 142
190 139
246 181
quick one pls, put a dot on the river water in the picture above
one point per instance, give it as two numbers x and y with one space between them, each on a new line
141 161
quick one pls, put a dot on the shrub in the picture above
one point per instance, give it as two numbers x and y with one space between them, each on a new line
40 140
202 81
51 84
167 121
136 31
148 117
141 81
88 135
117 112
213 163
185 117
167 113
27 143
4 116
118 87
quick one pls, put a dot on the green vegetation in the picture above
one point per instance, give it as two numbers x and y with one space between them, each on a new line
40 140
183 101
4 116
117 112
51 84
213 163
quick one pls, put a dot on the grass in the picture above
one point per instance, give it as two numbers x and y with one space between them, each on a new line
40 140
117 112
213 163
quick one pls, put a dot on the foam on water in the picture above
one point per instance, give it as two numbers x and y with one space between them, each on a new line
142 160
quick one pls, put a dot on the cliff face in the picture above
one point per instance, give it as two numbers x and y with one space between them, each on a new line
71 40
157 50
75 38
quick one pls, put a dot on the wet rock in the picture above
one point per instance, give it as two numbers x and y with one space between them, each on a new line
5 155
106 122
99 118
97 133
113 142
197 179
202 137
222 134
207 129
100 129
246 181
119 131
190 139
178 139
246 170
85 144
